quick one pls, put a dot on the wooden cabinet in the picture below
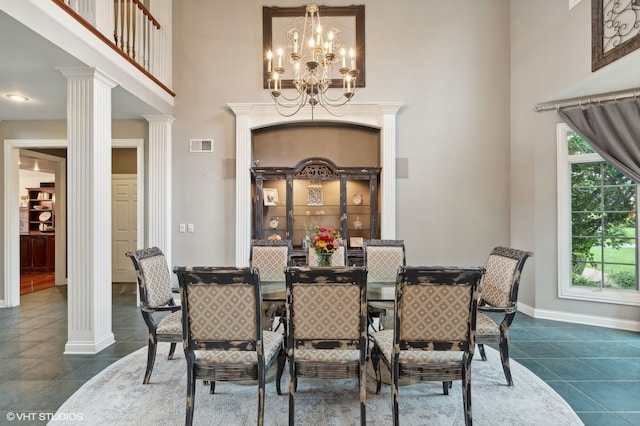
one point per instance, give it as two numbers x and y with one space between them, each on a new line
290 201
37 252
42 209
37 240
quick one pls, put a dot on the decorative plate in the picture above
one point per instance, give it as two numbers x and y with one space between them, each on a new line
44 216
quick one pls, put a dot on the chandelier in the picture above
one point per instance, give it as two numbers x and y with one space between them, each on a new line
314 64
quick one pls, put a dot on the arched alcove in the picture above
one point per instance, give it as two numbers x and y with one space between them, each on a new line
250 116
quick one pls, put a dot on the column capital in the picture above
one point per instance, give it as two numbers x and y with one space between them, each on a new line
159 118
85 73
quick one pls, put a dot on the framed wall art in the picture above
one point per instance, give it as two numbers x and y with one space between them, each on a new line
615 30
270 196
278 23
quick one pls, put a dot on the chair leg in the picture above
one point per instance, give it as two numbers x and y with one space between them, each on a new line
292 391
446 386
260 395
466 394
212 387
172 349
151 357
504 357
191 391
282 358
395 372
482 354
363 391
375 361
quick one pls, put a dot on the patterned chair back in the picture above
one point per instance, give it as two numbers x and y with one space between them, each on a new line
383 258
154 277
436 308
502 279
327 327
338 258
271 257
326 305
220 305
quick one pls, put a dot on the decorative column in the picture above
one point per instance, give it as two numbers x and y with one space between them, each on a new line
243 184
89 210
388 172
159 184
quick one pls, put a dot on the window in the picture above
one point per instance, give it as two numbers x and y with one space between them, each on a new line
597 226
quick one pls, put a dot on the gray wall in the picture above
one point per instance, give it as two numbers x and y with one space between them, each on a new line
481 163
453 77
550 52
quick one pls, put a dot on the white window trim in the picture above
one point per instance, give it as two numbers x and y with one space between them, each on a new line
565 288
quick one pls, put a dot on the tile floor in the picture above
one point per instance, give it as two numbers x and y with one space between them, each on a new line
596 370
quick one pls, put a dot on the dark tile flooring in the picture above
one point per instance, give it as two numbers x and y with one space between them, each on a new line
596 370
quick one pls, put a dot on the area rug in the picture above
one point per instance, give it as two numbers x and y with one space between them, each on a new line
116 396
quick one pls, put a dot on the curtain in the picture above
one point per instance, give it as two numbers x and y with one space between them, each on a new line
613 130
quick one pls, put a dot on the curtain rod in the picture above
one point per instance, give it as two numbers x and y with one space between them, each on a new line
594 99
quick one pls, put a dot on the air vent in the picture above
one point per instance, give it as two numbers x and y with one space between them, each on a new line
201 145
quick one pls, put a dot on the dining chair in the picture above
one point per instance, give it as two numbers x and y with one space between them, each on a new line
327 327
271 257
156 299
433 338
382 259
499 296
338 258
222 327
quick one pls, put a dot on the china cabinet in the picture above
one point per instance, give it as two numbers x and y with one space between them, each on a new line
37 240
289 202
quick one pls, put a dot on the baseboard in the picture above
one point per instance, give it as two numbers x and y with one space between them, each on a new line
580 318
88 347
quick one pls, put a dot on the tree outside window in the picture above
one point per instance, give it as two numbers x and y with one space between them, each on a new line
603 221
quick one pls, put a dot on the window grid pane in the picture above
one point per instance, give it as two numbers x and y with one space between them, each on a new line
603 215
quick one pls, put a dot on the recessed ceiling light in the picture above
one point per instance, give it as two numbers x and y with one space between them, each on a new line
17 98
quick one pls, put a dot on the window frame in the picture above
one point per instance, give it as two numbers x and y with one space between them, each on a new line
566 289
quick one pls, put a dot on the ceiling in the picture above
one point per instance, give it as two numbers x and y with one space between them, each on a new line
29 67
37 164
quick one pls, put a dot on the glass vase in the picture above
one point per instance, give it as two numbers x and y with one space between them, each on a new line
324 259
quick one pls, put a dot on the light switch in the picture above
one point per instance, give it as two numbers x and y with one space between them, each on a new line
183 227
189 227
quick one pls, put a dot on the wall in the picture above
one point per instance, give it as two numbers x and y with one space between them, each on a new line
453 77
287 145
550 51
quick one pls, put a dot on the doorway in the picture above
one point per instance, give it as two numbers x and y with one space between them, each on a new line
38 217
11 195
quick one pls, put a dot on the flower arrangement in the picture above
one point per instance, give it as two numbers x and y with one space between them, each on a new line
325 240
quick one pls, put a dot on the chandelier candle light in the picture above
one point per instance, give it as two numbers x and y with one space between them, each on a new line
313 62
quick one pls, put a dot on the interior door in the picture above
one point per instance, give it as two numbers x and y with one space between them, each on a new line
124 192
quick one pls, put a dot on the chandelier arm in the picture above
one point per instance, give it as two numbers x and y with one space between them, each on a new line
294 99
328 109
339 101
299 106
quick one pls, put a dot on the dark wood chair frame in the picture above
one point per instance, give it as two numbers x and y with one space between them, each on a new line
339 276
274 309
148 311
379 311
445 372
508 312
212 372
